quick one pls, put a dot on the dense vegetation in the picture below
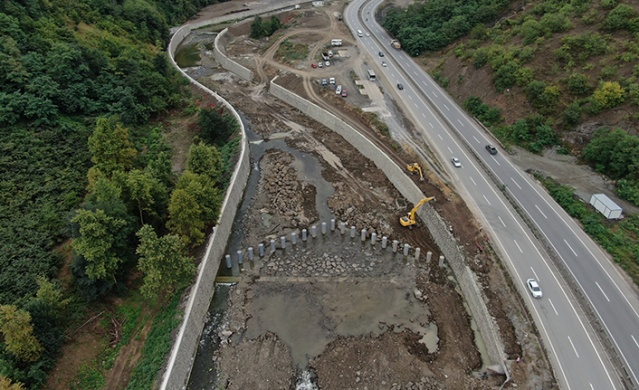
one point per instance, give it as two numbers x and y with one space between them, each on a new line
80 83
573 62
432 25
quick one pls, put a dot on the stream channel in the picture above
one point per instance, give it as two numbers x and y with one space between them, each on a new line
203 374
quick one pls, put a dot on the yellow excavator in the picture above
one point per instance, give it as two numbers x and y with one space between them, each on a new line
414 167
409 220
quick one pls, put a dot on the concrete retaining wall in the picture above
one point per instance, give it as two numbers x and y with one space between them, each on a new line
437 227
185 347
225 61
263 9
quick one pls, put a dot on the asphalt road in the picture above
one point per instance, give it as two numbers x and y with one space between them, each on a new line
575 353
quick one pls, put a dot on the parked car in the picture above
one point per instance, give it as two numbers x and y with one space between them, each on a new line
400 86
338 90
534 288
381 54
320 65
491 149
344 94
324 82
313 65
327 63
331 80
456 162
384 63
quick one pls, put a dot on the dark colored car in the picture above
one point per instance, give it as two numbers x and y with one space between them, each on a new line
491 149
400 86
381 54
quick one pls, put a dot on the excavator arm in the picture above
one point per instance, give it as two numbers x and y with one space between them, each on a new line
409 220
415 167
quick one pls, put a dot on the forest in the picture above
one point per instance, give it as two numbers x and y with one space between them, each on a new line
84 87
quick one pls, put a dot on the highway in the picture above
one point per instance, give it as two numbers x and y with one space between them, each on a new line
574 350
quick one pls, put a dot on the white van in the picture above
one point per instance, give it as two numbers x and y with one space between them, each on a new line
359 33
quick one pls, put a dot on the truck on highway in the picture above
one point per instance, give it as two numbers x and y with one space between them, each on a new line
395 44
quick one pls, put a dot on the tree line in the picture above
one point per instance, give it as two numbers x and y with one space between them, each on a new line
80 84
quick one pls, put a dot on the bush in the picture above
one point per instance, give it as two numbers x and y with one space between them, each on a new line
609 94
620 18
480 57
505 76
615 153
629 190
555 22
579 84
572 114
486 114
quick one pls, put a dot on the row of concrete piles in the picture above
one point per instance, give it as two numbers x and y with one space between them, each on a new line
312 233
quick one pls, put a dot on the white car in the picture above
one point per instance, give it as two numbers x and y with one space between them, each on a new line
456 162
384 63
338 90
534 288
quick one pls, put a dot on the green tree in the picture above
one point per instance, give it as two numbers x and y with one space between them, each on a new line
163 261
51 293
141 187
185 217
17 330
97 241
257 28
217 126
110 147
273 25
204 160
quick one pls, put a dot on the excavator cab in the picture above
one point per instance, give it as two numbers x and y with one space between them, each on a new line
413 168
409 220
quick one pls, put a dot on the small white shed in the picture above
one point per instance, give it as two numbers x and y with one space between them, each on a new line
606 206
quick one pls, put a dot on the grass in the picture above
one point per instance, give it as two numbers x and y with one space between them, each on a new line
157 346
92 374
292 52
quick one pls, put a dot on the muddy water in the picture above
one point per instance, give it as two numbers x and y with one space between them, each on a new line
187 56
203 374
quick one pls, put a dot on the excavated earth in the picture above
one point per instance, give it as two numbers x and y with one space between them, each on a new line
333 312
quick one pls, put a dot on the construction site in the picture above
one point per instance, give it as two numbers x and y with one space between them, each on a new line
345 288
